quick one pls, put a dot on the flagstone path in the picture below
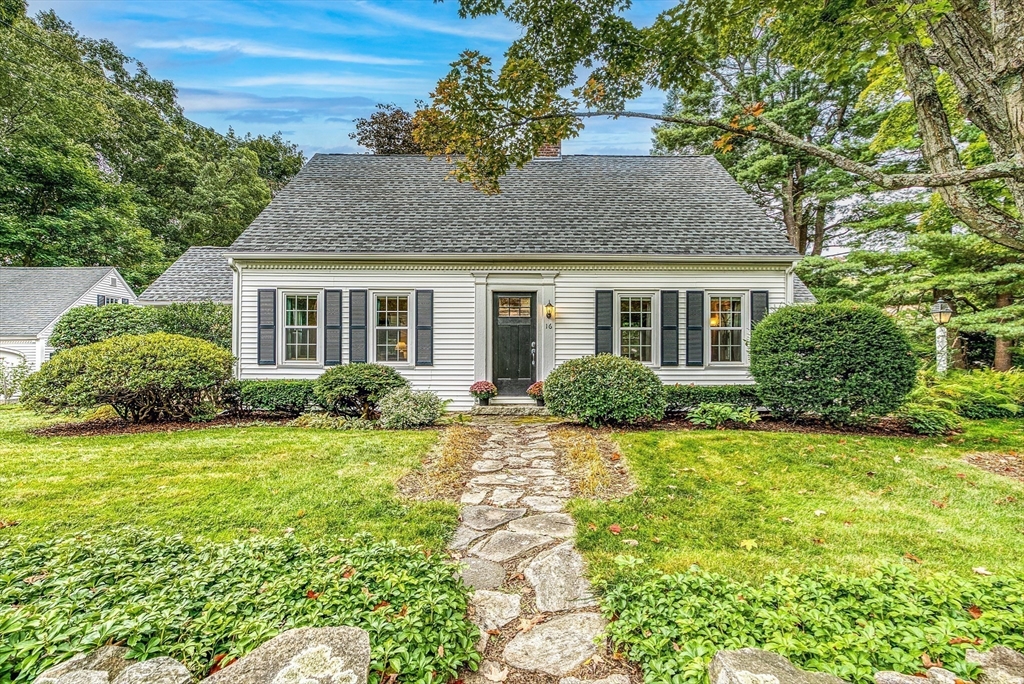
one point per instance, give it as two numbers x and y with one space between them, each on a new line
531 598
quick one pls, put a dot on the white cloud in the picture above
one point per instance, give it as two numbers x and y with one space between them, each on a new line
462 28
322 80
252 49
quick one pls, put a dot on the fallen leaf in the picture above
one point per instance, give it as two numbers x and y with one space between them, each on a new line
819 542
32 579
630 542
616 456
614 529
975 612
819 513
332 560
956 641
912 557
220 661
526 624
748 544
312 594
382 604
788 521
927 661
494 632
980 570
591 526
938 504
440 650
301 513
656 540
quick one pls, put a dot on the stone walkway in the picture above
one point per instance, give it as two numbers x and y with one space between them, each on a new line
531 598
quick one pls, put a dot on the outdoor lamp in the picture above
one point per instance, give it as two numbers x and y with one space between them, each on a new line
549 310
941 312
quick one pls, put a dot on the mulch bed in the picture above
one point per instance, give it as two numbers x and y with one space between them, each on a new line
116 426
882 427
1010 464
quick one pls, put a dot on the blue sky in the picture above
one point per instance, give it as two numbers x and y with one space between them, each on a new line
309 68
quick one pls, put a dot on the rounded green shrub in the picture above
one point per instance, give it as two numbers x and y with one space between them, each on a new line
605 389
89 324
355 389
290 397
838 361
143 377
205 320
403 409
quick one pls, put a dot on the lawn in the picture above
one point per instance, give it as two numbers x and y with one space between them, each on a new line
748 503
219 483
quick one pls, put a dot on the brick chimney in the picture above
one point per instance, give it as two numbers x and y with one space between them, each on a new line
548 151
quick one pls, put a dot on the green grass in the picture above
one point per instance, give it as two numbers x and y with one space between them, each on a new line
749 503
219 483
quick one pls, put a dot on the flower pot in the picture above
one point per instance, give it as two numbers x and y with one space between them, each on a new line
540 401
483 401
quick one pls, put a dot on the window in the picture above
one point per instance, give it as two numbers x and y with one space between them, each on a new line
113 281
392 328
113 300
726 324
514 307
636 327
300 327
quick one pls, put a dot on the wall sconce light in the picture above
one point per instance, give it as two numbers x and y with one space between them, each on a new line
549 310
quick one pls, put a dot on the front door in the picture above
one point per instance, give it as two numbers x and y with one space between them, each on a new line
515 343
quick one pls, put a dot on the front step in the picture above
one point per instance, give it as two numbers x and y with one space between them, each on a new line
511 410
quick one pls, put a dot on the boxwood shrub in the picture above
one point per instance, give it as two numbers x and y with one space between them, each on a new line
355 388
143 377
194 601
289 397
89 324
605 389
839 361
683 397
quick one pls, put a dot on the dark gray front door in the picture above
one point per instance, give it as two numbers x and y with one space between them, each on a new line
515 342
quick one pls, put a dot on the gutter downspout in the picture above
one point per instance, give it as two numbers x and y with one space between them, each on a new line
789 283
236 314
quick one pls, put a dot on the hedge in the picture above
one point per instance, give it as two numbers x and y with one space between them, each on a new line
290 397
88 324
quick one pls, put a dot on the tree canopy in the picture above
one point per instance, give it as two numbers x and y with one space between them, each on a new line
389 130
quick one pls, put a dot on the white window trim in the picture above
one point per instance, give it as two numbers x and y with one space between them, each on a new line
282 318
744 296
410 327
655 325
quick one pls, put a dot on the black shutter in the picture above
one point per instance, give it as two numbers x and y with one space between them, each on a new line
758 306
695 327
604 319
670 327
266 320
332 327
357 326
424 327
100 300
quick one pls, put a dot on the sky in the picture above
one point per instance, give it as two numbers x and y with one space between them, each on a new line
308 69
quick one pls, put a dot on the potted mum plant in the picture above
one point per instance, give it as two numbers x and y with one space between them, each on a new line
483 391
536 390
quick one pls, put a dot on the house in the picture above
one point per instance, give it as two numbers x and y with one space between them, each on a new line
32 300
383 259
201 274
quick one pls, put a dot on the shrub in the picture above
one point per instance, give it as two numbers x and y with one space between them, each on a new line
605 389
324 421
12 376
143 377
682 397
930 420
483 389
290 397
839 361
713 415
197 601
403 409
975 394
851 626
203 320
356 388
89 324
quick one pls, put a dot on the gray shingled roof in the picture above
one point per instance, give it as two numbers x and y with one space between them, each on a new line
32 298
201 274
601 205
801 293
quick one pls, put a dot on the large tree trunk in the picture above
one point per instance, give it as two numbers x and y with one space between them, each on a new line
1002 361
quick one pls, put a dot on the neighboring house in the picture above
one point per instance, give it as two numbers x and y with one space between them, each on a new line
201 274
32 300
383 259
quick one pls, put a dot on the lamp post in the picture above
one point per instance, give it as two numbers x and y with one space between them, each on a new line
941 313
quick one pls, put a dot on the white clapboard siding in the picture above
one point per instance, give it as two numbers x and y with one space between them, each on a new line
14 350
455 313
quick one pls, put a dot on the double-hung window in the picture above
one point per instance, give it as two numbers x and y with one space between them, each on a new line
725 320
392 325
636 327
300 327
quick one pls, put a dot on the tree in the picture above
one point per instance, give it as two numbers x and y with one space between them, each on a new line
279 159
12 376
389 130
941 57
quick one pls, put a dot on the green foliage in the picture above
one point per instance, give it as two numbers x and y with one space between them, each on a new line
203 320
682 397
194 601
88 324
355 388
12 376
290 397
324 421
713 415
975 394
605 389
389 130
930 420
839 361
143 377
850 626
403 409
